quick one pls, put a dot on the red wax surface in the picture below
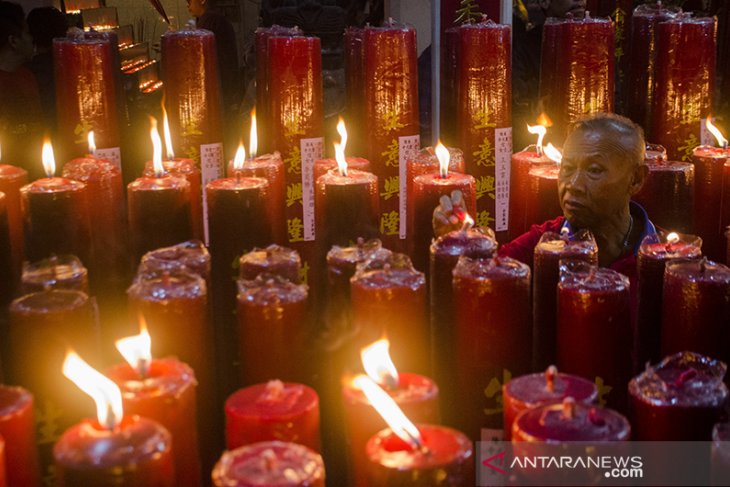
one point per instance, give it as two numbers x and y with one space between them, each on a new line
165 394
709 165
577 74
449 460
390 78
322 166
17 429
56 272
354 88
493 336
668 194
56 218
391 301
191 256
138 452
272 326
416 395
679 399
270 463
188 170
522 163
12 178
159 213
273 259
546 273
532 391
273 411
696 308
427 190
594 327
271 168
684 84
86 74
484 106
541 199
642 35
426 162
192 91
653 255
589 423
7 276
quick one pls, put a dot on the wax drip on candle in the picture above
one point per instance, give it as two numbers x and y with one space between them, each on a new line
568 408
269 460
550 374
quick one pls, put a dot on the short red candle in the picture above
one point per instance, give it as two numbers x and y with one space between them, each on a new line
594 327
684 84
272 327
668 194
493 336
274 411
273 259
426 162
17 428
415 394
535 390
137 452
654 253
165 394
391 301
680 399
696 308
56 216
546 274
522 163
12 178
270 463
191 256
392 462
186 169
57 272
159 213
542 202
709 163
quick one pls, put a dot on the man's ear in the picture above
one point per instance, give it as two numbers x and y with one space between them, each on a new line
641 172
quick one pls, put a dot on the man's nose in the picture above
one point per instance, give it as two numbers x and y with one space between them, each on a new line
576 182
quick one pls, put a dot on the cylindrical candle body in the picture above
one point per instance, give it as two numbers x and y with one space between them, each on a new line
57 272
186 169
17 428
542 202
13 178
274 259
426 162
668 194
709 163
354 51
449 85
522 162
588 423
493 336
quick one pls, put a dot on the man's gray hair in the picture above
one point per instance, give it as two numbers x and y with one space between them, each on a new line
631 135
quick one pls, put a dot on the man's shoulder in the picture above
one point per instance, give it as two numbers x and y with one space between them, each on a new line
523 247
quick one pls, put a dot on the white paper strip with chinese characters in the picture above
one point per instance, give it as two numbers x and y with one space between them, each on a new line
311 150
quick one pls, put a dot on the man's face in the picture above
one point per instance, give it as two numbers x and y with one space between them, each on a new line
196 7
594 184
561 8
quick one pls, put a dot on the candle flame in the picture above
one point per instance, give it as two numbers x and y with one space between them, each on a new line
137 349
553 153
673 238
49 162
544 120
106 394
92 143
442 154
240 157
166 132
377 363
340 148
253 138
721 141
467 222
540 131
156 149
389 410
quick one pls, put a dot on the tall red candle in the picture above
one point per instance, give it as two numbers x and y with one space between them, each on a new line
449 85
709 165
274 411
594 327
354 50
12 178
273 259
684 84
493 335
56 272
668 194
17 429
542 202
391 129
187 169
483 115
426 162
522 163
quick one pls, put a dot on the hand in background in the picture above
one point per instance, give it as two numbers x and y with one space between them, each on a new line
449 214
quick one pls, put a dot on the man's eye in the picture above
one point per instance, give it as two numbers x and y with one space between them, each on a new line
595 169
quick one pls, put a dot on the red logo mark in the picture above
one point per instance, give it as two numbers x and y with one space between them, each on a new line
500 459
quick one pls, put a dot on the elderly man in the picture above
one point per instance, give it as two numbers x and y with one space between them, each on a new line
602 168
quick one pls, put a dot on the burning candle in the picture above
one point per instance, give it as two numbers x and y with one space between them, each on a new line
668 193
274 411
270 463
56 272
536 390
654 253
190 256
426 161
274 259
684 83
113 449
542 202
427 191
159 206
546 268
679 399
493 335
696 308
594 327
12 178
17 428
323 166
56 215
272 317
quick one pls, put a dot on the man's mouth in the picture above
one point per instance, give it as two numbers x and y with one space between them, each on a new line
574 205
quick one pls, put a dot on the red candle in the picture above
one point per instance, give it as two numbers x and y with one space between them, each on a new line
7 277
696 308
354 85
56 272
709 165
274 411
680 399
449 85
493 335
536 390
12 178
270 463
17 429
390 79
654 253
483 115
668 194
542 202
546 268
274 259
323 166
522 163
594 327
190 256
426 162
272 327
185 169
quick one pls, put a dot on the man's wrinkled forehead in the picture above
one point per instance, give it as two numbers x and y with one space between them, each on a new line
590 143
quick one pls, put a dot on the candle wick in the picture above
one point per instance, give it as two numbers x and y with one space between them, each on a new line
142 368
269 459
539 150
238 176
569 408
550 374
